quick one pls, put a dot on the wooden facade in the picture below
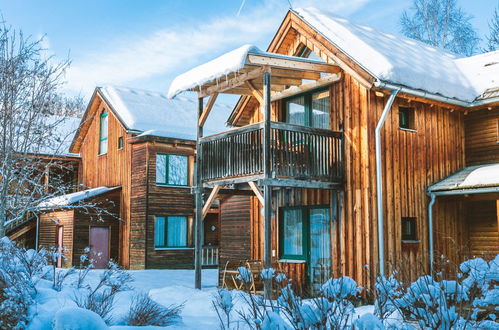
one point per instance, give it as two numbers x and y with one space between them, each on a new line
133 168
442 139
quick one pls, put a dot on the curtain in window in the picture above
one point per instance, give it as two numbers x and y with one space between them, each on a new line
295 110
161 168
320 245
292 232
159 232
177 170
320 109
177 231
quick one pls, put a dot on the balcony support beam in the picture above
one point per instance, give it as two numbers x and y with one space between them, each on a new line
257 191
267 190
198 182
211 198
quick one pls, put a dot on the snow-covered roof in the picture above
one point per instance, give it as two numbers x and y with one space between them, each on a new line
221 66
73 198
154 114
471 177
399 60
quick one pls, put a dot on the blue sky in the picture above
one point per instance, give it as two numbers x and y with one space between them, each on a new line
145 44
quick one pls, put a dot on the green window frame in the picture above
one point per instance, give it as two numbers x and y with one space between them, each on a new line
120 143
304 212
171 232
310 105
103 132
172 170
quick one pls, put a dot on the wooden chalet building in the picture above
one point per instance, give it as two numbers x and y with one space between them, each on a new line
346 136
137 151
58 166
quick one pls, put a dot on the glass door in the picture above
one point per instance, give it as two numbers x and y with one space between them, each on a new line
319 261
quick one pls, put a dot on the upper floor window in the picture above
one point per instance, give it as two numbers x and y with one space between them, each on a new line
311 109
406 118
103 132
172 169
409 229
120 143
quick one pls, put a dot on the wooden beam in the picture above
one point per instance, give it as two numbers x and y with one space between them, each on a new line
210 200
21 230
286 73
207 109
306 87
256 93
292 64
232 83
257 191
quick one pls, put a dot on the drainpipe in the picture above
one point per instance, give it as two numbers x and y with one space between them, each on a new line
379 181
430 229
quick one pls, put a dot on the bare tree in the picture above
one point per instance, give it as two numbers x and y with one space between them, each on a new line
30 95
440 23
493 38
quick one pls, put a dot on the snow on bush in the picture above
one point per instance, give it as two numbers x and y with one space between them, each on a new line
223 305
100 299
145 311
75 318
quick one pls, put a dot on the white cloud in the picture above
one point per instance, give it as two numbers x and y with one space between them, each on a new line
180 47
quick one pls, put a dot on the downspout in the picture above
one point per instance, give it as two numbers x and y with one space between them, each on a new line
430 228
379 181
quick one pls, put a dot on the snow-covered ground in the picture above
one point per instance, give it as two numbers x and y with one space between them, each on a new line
167 287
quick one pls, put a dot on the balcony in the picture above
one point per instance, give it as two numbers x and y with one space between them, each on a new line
296 152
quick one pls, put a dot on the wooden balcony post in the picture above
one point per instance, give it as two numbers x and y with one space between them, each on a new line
267 192
198 201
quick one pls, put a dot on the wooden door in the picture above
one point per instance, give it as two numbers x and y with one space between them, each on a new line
99 246
60 247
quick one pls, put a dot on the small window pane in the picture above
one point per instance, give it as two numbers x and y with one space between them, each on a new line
177 170
159 232
103 147
320 109
292 232
120 142
406 118
409 229
177 231
295 111
161 168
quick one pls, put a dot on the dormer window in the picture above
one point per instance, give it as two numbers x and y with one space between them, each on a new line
103 132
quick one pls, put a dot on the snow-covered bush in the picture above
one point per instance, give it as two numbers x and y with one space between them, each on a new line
145 311
100 299
18 276
223 305
86 264
74 318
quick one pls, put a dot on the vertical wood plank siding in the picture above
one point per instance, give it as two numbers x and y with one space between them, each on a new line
111 169
48 232
412 160
482 137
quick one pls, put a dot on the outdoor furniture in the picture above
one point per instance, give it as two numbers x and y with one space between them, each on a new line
230 273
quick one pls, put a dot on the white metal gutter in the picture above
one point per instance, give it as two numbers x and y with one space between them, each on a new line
379 181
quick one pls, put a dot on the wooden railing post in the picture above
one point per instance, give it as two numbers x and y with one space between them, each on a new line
198 201
267 192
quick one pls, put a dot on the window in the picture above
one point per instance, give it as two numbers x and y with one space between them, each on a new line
103 132
170 232
310 109
304 233
409 229
406 118
120 143
172 169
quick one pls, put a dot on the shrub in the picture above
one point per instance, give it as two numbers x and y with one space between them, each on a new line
145 311
101 298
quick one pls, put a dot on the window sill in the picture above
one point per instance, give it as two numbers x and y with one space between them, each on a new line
171 186
102 154
408 241
411 130
173 248
292 261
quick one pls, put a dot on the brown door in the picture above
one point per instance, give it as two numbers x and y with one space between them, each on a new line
60 235
99 246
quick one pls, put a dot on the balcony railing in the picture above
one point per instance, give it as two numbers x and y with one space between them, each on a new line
297 152
209 255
